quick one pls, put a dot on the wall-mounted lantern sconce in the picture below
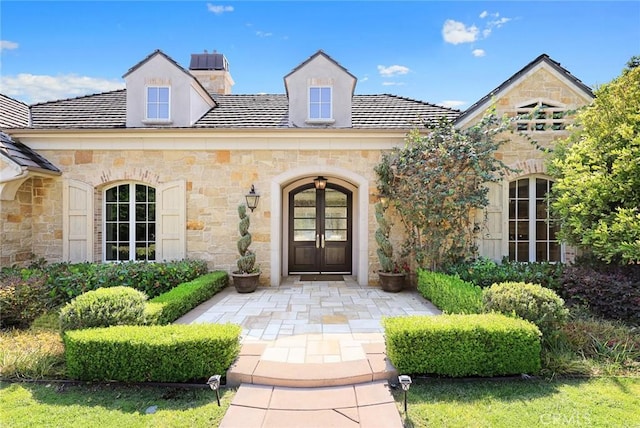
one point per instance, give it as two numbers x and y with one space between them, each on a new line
405 381
320 182
252 198
214 383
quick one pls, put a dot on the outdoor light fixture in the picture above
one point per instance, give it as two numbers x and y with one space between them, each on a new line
405 381
320 182
384 200
252 198
214 383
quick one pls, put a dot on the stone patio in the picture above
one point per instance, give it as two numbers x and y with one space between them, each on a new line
313 353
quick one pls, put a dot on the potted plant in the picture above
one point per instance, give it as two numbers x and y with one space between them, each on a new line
246 278
392 274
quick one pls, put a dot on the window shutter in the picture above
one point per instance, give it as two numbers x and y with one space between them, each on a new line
77 223
491 233
171 221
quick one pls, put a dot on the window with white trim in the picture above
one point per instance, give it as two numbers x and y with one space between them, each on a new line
157 103
532 233
320 103
540 116
129 223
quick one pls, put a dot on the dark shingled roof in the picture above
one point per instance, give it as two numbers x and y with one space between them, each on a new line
13 113
542 58
24 156
394 112
107 110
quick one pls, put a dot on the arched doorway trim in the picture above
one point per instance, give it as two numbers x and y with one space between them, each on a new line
361 215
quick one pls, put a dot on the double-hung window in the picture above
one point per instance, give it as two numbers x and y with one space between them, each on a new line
320 103
129 223
158 103
532 232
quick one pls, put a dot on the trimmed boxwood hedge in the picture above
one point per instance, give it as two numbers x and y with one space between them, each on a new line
463 345
176 302
449 293
171 353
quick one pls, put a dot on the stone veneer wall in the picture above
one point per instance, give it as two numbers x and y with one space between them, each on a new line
217 181
519 153
16 227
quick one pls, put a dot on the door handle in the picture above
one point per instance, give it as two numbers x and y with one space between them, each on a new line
322 240
317 241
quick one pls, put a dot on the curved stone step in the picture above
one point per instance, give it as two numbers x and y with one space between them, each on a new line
251 367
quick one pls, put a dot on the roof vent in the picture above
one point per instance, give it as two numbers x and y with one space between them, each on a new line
208 61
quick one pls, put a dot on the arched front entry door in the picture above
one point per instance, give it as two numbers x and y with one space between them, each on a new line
320 229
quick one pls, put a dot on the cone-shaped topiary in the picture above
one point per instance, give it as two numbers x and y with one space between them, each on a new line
247 258
385 250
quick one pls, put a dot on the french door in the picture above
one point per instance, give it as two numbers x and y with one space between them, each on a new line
320 229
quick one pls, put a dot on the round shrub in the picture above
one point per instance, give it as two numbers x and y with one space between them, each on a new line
532 302
104 307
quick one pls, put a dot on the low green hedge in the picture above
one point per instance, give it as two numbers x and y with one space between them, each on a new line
449 293
171 353
463 345
176 302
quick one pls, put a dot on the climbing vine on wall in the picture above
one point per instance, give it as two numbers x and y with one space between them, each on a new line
437 184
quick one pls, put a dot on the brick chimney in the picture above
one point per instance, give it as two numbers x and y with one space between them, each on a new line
212 71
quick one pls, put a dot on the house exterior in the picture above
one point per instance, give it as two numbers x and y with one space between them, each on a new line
156 171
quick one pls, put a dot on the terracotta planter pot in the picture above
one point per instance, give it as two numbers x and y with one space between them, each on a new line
246 282
391 282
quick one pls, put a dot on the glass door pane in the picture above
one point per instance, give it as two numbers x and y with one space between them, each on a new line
304 216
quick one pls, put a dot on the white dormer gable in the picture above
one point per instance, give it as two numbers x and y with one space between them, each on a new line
320 92
160 93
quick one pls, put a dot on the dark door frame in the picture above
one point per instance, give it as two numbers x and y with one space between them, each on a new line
317 254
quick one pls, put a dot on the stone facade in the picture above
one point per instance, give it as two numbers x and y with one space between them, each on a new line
217 181
215 164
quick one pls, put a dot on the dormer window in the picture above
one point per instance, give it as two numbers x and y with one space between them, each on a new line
320 104
540 116
158 103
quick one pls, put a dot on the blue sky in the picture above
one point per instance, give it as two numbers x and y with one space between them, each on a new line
448 52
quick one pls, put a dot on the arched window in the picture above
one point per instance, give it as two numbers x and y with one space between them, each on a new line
532 233
129 223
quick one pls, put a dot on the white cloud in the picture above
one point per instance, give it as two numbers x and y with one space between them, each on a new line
7 45
219 9
33 88
392 84
478 52
456 32
393 70
452 103
263 34
484 14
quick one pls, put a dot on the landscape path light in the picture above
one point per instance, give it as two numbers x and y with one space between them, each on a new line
405 381
214 383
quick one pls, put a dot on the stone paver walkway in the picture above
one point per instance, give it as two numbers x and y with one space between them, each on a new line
313 353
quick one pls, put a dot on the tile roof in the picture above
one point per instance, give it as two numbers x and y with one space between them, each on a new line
13 113
104 110
108 110
394 112
24 156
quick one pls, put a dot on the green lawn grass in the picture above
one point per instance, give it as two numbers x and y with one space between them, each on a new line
104 406
595 402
